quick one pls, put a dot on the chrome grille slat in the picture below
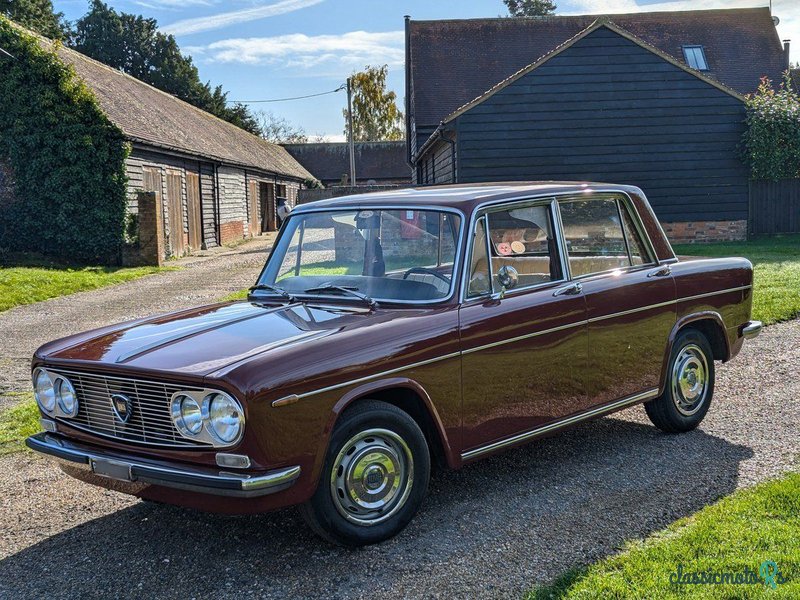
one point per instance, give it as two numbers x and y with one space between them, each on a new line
150 423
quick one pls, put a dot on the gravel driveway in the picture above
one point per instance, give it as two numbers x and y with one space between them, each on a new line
490 530
203 279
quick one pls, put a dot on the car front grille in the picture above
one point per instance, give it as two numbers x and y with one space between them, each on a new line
150 421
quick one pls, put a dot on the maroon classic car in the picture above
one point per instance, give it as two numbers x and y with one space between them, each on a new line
389 331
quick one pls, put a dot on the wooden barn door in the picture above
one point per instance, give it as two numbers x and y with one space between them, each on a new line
175 212
193 210
268 220
151 180
252 210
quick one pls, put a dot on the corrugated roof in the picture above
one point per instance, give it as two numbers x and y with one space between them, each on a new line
454 61
374 160
150 116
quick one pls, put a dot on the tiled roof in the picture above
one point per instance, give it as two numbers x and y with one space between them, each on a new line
454 61
374 160
152 117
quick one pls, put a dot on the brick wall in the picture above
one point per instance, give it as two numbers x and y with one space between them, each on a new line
705 231
231 231
151 248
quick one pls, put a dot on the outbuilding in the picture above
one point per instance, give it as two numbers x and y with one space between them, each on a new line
654 100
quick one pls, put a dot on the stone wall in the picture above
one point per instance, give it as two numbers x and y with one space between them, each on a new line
705 231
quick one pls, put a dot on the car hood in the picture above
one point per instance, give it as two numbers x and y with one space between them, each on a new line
204 340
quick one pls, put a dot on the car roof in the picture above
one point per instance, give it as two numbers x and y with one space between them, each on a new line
464 197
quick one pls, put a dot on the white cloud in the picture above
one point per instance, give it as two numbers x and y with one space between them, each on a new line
226 19
173 4
786 10
300 51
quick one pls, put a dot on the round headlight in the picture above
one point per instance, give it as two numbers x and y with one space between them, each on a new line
224 417
44 391
66 397
191 417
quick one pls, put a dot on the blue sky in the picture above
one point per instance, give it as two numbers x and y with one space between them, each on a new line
263 49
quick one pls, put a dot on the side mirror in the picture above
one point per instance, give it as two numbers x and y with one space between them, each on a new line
508 278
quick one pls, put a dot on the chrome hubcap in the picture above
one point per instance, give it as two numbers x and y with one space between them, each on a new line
372 476
690 380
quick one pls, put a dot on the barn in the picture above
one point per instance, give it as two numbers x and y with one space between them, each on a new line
213 182
654 100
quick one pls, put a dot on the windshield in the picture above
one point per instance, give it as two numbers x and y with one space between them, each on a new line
391 255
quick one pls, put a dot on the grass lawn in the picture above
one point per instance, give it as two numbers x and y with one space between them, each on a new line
738 533
776 263
18 422
28 283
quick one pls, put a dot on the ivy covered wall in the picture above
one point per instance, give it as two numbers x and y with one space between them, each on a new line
67 158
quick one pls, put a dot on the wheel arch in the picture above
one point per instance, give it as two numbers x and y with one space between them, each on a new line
409 396
711 325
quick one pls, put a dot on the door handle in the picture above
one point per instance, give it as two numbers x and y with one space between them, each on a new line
569 290
661 271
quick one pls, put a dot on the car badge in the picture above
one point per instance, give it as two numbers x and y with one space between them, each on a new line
122 407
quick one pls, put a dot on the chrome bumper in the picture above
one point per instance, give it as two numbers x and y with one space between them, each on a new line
198 479
751 329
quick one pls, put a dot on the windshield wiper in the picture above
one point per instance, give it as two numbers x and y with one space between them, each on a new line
343 290
274 289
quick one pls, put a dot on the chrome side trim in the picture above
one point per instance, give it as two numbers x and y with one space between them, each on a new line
717 293
376 375
523 337
191 478
502 342
631 311
533 433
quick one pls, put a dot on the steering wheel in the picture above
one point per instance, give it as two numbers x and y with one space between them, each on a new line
423 270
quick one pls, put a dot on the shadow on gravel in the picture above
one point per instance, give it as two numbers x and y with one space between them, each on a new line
494 528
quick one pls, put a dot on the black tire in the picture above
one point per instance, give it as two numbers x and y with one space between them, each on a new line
398 453
675 411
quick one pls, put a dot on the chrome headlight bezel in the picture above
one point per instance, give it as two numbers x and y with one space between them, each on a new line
63 396
65 402
47 407
215 422
207 432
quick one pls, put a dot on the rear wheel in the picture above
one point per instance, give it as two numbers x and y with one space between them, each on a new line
689 387
375 476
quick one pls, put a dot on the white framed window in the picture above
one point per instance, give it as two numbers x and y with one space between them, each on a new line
695 57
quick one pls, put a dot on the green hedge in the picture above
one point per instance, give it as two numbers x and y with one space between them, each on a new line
67 158
772 138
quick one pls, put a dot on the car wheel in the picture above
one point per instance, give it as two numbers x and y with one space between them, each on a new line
374 479
689 386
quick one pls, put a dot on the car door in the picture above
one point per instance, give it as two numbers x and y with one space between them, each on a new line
523 327
630 298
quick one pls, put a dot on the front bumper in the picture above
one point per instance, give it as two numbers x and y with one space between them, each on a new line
198 479
751 329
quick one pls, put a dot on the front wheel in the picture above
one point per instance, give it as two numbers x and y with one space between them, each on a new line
375 476
689 386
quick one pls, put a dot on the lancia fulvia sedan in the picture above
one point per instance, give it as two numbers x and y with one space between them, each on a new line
391 331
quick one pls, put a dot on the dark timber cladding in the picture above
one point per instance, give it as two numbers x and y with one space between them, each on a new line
609 109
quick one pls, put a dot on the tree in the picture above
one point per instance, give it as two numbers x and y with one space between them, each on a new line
278 130
37 15
376 116
134 45
771 142
530 8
